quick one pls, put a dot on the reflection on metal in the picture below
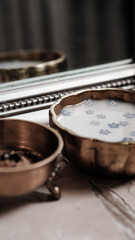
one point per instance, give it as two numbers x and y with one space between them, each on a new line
45 101
26 64
42 92
15 181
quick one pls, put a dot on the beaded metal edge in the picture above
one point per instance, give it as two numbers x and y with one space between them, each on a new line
45 100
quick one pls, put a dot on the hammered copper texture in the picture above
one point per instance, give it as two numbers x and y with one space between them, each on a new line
37 138
90 154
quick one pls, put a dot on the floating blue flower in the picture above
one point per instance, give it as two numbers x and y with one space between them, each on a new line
89 102
94 123
133 133
113 125
112 103
105 132
101 116
89 112
123 124
126 139
65 113
129 115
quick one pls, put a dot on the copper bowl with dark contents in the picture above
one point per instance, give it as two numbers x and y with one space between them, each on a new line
28 153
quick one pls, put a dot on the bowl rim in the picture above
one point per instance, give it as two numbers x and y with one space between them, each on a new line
53 115
21 53
42 162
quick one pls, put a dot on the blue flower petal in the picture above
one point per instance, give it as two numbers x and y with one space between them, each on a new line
113 125
105 132
94 123
129 115
65 113
101 116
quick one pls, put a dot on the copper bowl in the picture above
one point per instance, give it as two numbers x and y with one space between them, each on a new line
35 137
32 63
92 154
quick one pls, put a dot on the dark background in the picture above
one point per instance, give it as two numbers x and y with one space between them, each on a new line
90 32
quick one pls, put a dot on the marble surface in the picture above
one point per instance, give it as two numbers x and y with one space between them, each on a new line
91 208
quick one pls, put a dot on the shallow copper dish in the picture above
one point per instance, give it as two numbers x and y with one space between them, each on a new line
24 64
92 154
41 139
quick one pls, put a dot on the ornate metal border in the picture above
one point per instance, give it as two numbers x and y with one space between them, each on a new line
32 96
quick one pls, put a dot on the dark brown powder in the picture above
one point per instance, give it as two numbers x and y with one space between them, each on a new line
18 157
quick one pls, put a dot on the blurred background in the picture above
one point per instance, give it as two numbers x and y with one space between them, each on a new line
89 32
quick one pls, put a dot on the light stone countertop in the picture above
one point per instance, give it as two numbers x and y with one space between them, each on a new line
91 208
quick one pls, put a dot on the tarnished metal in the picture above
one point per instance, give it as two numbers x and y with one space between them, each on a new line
50 61
35 137
92 154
